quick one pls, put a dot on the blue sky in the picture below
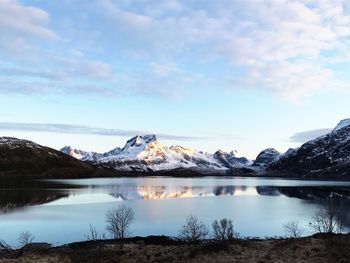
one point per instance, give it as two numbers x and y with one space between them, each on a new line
242 75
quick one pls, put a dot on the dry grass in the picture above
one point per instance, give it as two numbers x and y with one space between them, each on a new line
318 249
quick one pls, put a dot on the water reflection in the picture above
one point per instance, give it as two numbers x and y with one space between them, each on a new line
19 198
62 193
167 192
259 207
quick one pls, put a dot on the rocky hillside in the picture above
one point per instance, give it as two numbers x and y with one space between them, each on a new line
326 157
21 157
266 157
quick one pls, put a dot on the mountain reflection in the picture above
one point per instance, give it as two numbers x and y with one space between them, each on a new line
15 198
163 192
19 198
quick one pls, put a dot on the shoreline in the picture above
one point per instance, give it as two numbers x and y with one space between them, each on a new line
167 174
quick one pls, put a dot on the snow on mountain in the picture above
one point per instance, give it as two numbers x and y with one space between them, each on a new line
229 160
78 154
266 157
330 152
88 156
13 143
146 147
143 153
341 125
290 152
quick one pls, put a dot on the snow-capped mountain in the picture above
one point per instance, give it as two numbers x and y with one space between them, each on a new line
230 160
342 124
88 156
328 154
266 157
78 154
147 153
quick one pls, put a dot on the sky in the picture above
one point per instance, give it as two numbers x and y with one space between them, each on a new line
239 75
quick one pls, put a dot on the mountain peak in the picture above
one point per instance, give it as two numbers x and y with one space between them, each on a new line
138 144
221 152
78 154
66 149
266 157
141 139
15 142
342 124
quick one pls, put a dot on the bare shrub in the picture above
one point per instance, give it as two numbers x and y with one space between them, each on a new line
25 238
94 234
4 246
328 219
119 221
193 230
293 229
223 230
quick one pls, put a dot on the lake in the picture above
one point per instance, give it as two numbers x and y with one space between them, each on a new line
61 211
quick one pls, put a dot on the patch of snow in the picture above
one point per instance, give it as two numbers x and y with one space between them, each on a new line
17 143
342 124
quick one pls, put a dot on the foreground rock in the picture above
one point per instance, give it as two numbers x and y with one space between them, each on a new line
318 248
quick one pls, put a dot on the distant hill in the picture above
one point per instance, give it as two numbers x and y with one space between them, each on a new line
25 158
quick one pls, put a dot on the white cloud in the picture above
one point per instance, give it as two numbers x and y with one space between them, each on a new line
163 80
282 50
15 17
31 49
162 70
278 42
19 23
279 45
77 66
290 80
80 129
302 137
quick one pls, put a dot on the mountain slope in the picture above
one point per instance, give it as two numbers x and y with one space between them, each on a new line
266 157
147 153
326 156
22 157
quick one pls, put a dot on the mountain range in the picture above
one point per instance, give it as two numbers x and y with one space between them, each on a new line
327 156
147 153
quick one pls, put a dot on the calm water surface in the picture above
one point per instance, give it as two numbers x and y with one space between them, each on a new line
60 211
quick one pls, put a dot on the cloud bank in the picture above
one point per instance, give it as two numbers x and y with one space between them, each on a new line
87 130
302 137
